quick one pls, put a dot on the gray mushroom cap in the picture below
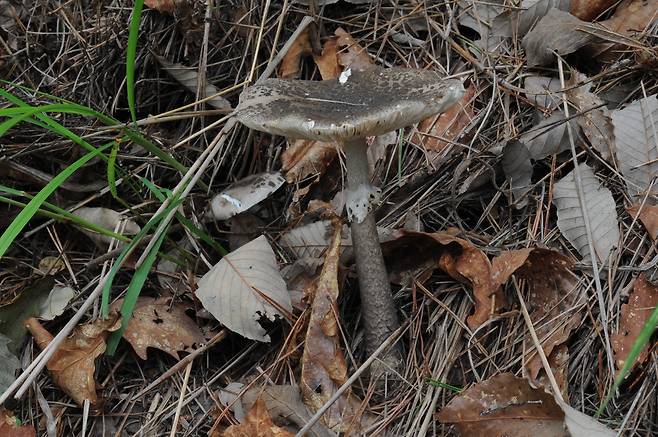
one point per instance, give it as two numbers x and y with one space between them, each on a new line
356 104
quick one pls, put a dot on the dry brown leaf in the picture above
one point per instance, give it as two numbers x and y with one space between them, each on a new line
632 16
307 157
327 62
290 67
73 365
505 405
257 423
438 132
553 293
159 324
168 6
10 426
459 258
633 315
351 54
648 215
324 368
588 10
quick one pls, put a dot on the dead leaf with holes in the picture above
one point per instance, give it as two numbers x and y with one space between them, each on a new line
158 323
553 297
10 426
440 131
73 364
257 423
324 368
648 215
642 302
460 259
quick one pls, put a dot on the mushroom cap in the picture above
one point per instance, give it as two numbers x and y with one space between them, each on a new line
356 104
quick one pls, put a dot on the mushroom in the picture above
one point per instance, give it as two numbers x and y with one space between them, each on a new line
346 110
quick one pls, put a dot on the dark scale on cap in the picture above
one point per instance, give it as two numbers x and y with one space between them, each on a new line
357 104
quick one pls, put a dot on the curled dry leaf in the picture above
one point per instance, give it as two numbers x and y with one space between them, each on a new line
189 78
108 219
157 323
601 212
633 316
284 404
10 426
257 423
648 215
244 194
327 62
290 67
57 300
505 405
438 132
636 132
457 257
594 117
588 10
553 300
73 365
324 368
245 286
557 31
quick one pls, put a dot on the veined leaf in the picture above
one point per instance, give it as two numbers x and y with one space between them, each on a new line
600 211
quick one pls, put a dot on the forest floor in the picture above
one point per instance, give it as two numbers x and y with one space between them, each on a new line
526 214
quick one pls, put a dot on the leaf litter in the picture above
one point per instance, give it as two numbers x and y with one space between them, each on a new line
491 203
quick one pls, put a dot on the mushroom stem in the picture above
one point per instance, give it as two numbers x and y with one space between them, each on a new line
380 319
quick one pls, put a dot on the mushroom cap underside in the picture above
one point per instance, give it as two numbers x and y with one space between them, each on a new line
356 104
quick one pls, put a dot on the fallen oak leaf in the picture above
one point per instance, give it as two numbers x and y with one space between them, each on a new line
72 366
457 257
588 10
257 423
553 295
304 158
159 324
642 301
504 405
351 54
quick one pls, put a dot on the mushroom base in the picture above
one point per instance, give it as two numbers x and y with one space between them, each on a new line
378 311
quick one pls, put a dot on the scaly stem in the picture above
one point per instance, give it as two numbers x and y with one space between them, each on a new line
380 319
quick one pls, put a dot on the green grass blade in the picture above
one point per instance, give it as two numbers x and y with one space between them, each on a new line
131 56
33 205
111 170
640 342
133 292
